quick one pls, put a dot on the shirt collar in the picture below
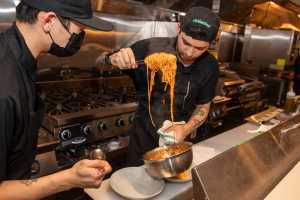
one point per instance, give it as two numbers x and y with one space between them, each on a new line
24 55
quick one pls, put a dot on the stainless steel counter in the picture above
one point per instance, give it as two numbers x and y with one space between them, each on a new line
203 151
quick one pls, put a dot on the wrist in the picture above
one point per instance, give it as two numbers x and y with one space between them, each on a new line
68 179
186 130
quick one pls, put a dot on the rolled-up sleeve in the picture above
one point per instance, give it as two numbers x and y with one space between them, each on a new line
7 121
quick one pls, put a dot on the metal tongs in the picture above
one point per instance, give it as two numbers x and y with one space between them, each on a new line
140 62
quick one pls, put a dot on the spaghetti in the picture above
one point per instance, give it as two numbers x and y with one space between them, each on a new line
166 64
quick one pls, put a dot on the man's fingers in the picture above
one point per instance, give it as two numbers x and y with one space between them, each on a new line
125 58
113 59
96 163
132 58
169 129
122 62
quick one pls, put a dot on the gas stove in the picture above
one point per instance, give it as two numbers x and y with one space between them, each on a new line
84 109
89 110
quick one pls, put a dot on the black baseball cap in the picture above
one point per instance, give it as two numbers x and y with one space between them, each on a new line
201 24
77 10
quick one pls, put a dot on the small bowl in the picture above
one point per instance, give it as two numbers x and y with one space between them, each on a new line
97 154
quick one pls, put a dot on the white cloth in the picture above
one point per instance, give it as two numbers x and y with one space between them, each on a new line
264 128
167 138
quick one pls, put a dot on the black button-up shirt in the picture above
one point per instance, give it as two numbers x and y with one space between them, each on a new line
194 85
20 113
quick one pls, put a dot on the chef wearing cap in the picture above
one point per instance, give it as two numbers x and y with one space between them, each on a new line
42 26
195 82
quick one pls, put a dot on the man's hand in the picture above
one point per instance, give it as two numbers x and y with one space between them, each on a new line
84 174
197 119
88 173
124 59
180 132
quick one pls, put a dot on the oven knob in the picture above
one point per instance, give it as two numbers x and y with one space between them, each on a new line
131 119
101 126
66 134
120 123
218 112
35 167
87 129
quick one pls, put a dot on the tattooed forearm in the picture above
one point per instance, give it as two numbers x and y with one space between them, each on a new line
200 113
28 182
198 117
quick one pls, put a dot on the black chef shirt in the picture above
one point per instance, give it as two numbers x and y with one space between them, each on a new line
20 113
194 85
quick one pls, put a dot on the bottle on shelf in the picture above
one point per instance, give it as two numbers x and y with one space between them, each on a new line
290 104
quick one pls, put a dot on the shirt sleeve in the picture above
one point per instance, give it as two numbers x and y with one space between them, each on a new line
7 119
207 92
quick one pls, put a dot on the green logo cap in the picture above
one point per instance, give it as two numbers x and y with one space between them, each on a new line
200 21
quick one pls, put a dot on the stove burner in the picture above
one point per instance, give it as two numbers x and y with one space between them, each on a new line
67 73
67 100
95 109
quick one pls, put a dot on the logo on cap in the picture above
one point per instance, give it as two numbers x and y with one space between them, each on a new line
200 21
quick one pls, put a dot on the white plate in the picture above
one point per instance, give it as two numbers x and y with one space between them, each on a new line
135 183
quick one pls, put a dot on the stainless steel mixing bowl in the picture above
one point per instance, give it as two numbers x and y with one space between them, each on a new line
169 161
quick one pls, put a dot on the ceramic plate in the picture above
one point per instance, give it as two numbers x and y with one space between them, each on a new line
135 183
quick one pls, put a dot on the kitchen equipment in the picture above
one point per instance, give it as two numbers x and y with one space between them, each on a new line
264 116
135 183
168 161
257 40
85 110
252 169
93 109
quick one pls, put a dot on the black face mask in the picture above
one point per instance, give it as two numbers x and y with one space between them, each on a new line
72 46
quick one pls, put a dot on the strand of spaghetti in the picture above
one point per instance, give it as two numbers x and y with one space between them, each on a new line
172 100
149 87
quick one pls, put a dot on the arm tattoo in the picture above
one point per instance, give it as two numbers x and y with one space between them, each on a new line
198 117
200 113
28 182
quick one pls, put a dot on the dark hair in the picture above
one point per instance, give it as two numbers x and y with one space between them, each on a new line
26 13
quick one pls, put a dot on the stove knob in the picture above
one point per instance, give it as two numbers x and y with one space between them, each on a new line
131 119
35 167
120 123
218 112
87 129
101 126
66 134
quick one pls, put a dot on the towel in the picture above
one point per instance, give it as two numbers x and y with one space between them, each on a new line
167 138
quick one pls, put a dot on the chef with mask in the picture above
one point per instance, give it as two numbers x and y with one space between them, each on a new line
42 26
